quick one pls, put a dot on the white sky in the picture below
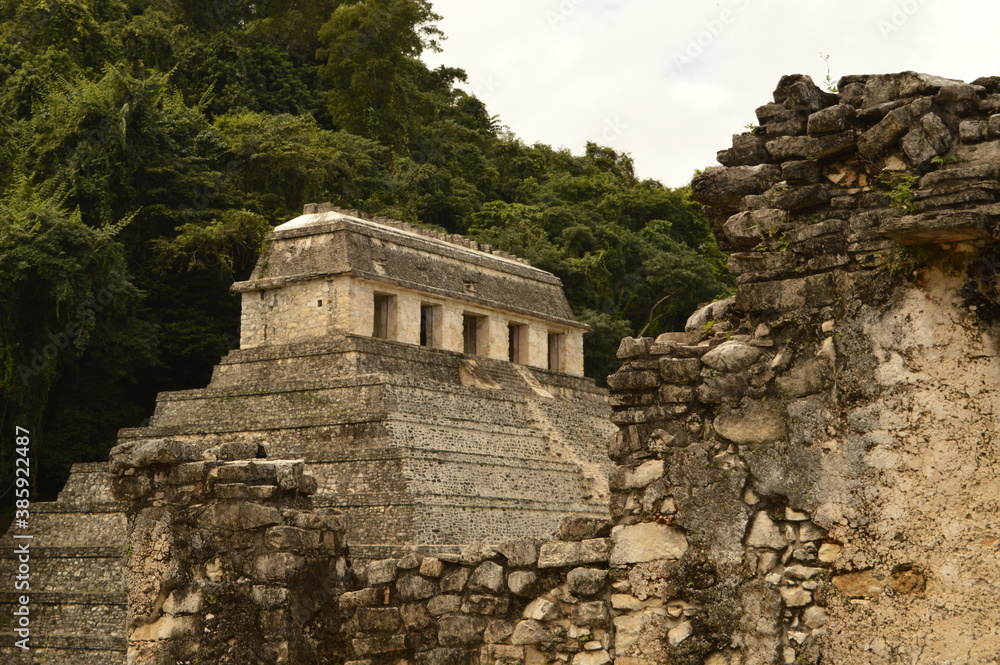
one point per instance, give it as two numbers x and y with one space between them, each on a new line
670 81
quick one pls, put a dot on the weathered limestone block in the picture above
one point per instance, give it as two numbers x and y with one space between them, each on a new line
801 172
936 227
973 131
831 119
679 370
929 139
646 542
884 134
565 554
522 583
632 347
746 229
766 263
542 609
786 148
456 631
487 577
724 187
890 87
803 197
624 478
521 553
724 388
379 619
753 424
627 380
237 516
748 150
675 394
445 604
813 291
805 378
149 453
713 311
531 632
731 357
799 93
858 585
381 572
586 582
415 587
598 657
959 98
765 533
591 614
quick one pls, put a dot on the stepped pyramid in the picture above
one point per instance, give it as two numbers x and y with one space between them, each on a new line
434 387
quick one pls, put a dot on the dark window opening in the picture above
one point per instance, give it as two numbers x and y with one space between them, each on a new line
382 325
555 352
470 333
517 345
428 325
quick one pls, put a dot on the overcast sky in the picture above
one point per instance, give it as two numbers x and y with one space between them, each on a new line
670 81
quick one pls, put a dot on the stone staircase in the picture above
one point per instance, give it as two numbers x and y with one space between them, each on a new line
77 592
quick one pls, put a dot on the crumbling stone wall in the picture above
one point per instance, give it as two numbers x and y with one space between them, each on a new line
825 441
525 602
227 562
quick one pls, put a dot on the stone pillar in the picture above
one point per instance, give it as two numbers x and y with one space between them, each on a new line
226 562
538 346
451 327
361 308
573 353
496 336
408 317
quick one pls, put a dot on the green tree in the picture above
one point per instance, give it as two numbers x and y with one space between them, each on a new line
68 304
378 86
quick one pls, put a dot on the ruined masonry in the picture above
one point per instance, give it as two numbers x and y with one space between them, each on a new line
433 386
229 561
826 440
807 474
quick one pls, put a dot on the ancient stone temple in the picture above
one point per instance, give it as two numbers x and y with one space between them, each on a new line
433 386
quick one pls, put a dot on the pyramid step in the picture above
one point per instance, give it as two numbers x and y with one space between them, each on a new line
71 570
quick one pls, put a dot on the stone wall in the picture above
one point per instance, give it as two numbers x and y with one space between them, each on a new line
227 562
525 602
826 440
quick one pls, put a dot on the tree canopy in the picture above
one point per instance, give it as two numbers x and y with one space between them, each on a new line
146 147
